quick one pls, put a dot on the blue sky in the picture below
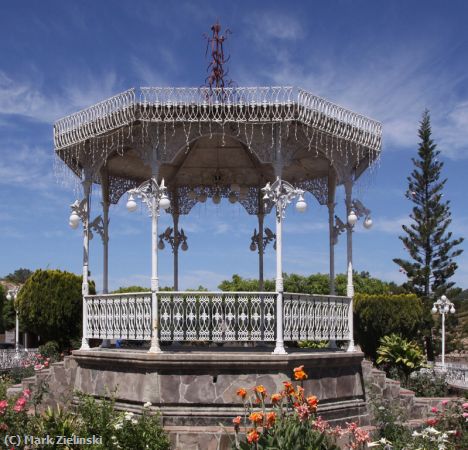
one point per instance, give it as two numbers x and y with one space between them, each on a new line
387 60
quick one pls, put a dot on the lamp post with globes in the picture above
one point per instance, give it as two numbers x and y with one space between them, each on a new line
155 197
281 193
11 296
443 306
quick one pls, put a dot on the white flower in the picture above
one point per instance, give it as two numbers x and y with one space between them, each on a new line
128 416
118 425
147 405
134 421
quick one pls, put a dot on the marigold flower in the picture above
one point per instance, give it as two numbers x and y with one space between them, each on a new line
276 398
260 389
299 373
256 417
236 421
253 436
241 393
288 387
271 418
312 401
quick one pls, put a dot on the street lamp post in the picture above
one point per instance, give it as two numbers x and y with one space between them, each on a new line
155 197
259 241
281 193
11 296
443 306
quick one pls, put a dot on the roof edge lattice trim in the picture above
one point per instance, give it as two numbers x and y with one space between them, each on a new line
220 105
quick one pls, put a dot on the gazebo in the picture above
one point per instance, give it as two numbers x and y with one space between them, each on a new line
174 147
264 147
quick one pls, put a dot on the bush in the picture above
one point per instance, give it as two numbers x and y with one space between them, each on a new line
428 383
397 352
50 350
50 305
376 316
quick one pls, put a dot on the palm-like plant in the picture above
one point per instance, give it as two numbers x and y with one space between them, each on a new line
395 351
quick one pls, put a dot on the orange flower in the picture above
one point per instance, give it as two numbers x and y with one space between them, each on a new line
260 389
241 393
300 393
276 398
253 436
299 373
312 401
256 418
237 420
288 387
271 418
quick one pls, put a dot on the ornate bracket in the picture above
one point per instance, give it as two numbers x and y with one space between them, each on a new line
359 210
175 241
268 237
79 208
148 191
282 193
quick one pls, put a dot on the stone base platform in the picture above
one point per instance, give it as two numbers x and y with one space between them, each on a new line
195 390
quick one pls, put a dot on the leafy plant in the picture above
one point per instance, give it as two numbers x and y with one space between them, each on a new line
396 351
428 383
50 350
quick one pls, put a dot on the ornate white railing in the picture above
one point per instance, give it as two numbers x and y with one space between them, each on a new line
240 104
315 317
118 316
456 375
216 316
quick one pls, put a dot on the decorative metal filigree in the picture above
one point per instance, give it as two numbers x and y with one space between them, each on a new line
315 317
216 78
148 191
360 210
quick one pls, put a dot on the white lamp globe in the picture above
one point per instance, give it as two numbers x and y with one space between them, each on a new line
301 205
368 223
433 310
202 197
131 204
253 247
74 220
184 246
90 235
352 218
452 310
443 298
9 296
216 199
164 202
446 308
161 244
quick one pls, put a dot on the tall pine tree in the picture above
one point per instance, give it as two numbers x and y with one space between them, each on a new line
428 241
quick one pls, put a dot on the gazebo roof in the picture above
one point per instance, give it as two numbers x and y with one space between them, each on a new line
206 139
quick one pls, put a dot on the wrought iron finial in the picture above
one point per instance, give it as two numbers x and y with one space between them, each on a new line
217 74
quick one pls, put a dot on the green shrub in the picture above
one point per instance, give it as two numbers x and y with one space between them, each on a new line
50 305
50 350
376 316
428 383
397 352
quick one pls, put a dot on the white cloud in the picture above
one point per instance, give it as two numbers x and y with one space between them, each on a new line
267 26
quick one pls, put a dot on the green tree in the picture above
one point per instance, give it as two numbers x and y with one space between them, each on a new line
429 243
50 305
3 302
19 276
